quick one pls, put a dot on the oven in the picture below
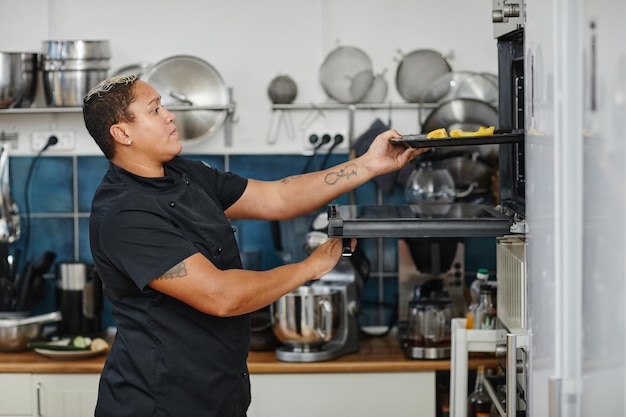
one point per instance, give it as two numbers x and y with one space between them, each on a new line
505 222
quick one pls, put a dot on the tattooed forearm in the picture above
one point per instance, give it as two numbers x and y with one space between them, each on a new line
177 271
346 172
286 180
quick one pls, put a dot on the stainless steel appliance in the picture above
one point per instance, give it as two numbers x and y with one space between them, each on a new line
318 322
511 340
79 299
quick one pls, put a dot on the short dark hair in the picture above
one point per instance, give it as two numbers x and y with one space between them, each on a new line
105 105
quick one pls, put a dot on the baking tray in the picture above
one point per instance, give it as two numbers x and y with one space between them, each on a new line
420 141
417 220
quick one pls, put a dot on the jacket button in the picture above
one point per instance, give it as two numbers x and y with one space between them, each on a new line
172 204
219 250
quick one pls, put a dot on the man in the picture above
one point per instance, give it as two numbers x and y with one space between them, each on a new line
167 256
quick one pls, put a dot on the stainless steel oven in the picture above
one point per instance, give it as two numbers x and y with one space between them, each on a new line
506 222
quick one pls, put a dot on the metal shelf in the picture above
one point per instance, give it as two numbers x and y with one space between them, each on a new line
69 110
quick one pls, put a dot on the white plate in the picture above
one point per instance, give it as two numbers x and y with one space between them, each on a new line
69 354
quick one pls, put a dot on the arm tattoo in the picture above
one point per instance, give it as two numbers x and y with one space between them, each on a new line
346 172
286 180
177 271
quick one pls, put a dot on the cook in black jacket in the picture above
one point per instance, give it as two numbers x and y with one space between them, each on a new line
163 245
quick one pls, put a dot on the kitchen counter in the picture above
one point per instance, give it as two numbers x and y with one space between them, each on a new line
376 354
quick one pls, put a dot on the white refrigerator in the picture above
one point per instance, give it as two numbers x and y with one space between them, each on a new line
575 116
572 296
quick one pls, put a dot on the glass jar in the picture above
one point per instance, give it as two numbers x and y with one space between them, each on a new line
430 184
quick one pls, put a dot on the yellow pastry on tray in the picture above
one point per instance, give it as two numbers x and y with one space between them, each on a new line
437 133
482 131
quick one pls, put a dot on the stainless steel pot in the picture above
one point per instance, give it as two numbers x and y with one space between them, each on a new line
71 68
307 317
18 79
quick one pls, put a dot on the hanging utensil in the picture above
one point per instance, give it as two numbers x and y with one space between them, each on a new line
346 74
9 212
282 90
417 70
462 84
311 117
378 91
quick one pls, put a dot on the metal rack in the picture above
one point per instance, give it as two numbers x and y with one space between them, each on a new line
463 342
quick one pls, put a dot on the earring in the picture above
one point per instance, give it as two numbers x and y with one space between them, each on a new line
129 143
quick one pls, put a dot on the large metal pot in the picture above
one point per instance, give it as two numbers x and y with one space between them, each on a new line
71 68
18 79
307 317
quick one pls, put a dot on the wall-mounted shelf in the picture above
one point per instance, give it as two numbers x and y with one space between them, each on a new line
47 110
228 108
356 106
353 108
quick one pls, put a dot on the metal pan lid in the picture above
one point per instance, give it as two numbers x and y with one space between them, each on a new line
185 80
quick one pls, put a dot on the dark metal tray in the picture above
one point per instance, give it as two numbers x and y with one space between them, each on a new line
420 141
417 220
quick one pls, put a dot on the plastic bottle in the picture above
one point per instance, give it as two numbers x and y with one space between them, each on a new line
479 403
481 277
485 315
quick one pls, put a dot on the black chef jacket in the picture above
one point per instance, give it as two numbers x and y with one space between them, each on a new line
168 359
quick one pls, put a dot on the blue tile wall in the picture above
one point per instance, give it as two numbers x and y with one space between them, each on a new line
55 216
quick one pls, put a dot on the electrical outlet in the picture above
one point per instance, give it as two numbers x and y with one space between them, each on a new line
65 140
313 139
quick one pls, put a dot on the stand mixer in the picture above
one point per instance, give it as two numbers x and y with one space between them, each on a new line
318 322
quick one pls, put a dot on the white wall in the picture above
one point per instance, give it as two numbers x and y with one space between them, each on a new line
250 42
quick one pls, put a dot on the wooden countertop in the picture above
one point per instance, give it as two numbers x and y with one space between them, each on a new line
376 354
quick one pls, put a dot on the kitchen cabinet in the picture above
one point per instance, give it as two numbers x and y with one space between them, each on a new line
64 395
15 395
48 395
376 381
343 394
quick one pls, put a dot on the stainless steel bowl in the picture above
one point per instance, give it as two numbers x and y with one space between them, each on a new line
307 317
15 333
18 79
